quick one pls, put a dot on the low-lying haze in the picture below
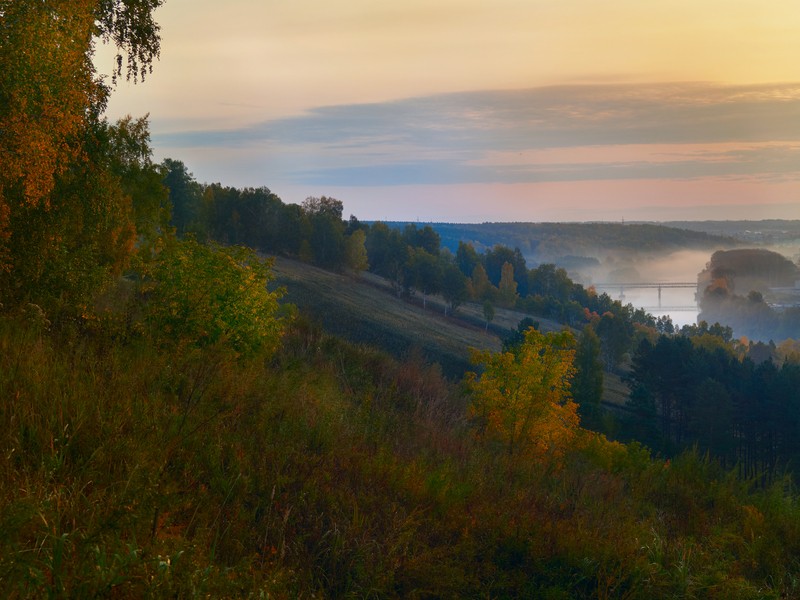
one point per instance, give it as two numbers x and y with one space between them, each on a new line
676 267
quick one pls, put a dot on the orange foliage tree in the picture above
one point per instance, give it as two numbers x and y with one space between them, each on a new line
47 89
65 221
522 398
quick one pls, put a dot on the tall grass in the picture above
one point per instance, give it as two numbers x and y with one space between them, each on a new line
331 470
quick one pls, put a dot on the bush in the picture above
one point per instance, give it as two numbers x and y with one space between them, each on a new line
200 295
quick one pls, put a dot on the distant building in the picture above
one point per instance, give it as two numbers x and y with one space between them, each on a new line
781 298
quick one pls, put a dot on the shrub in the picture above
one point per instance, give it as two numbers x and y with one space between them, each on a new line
200 295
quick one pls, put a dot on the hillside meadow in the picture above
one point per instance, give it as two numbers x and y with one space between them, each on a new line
365 309
131 468
175 424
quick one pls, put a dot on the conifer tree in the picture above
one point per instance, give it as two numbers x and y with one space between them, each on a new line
587 386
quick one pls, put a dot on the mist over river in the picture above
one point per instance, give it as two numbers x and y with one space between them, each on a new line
679 267
680 304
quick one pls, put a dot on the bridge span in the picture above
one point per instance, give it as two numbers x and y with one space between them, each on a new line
646 285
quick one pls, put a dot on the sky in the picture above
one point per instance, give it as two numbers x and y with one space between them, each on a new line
473 111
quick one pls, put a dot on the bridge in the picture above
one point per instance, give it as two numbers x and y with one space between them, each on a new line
649 285
669 309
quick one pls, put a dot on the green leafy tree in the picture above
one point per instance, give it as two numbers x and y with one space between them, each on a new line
130 26
63 257
289 229
260 208
550 281
104 209
353 224
130 157
664 325
185 196
425 238
387 254
507 290
220 213
425 271
467 258
198 295
454 286
327 230
517 338
355 252
497 257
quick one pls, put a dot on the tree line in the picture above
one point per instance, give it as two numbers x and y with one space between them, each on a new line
694 390
691 386
411 257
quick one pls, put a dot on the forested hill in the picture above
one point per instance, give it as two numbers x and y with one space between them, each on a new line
546 242
767 231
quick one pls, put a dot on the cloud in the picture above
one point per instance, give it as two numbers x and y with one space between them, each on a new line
679 131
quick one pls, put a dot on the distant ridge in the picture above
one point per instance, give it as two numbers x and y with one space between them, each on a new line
767 231
542 242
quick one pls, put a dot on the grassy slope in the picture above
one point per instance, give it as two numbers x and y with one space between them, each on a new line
365 310
131 471
134 470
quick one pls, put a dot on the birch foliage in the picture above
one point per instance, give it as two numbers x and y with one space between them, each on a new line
522 398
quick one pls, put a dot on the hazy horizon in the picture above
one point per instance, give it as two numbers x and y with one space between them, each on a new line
468 112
